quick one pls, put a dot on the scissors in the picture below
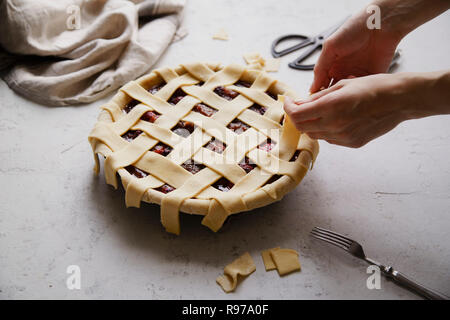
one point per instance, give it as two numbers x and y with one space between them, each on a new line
316 43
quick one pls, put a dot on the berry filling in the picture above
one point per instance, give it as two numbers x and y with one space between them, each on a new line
272 95
130 106
247 165
257 108
134 103
268 145
154 89
216 145
192 166
223 184
237 126
229 94
241 83
162 149
226 93
183 128
165 188
204 109
295 156
177 96
130 135
136 172
273 179
150 116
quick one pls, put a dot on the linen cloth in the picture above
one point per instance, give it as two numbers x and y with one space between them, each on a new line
78 51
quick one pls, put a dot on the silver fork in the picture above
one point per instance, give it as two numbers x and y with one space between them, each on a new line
355 249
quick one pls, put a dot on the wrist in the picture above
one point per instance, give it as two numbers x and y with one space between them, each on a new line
426 94
400 17
392 22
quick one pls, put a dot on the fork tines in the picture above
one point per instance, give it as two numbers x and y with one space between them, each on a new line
332 237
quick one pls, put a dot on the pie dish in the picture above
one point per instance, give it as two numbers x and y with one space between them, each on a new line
201 139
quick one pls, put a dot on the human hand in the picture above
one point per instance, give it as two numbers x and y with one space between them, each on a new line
355 51
356 111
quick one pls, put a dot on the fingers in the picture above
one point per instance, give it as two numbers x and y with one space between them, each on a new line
311 108
341 139
323 135
323 92
301 111
358 134
310 125
322 68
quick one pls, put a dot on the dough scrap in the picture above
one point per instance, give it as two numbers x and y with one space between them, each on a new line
254 57
267 259
256 66
284 260
221 34
242 266
272 65
255 61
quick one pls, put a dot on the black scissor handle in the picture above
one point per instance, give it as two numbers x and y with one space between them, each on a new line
305 42
296 63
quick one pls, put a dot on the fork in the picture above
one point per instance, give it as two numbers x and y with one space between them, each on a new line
355 249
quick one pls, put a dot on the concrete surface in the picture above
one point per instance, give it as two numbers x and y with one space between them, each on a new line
393 195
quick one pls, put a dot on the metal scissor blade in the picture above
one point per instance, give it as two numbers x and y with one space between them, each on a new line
326 33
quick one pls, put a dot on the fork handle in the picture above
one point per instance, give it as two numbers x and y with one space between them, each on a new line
403 280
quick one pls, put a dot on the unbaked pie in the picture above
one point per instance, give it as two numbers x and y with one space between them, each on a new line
201 139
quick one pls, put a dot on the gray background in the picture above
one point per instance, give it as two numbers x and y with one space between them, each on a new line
392 195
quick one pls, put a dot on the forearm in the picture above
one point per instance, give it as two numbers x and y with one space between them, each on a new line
428 93
403 16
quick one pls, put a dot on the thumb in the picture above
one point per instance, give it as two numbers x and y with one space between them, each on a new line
322 68
290 105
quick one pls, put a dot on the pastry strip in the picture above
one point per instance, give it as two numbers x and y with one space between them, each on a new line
267 259
286 260
241 267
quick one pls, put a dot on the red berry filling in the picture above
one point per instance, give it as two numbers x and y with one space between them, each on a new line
130 105
192 166
154 89
238 126
177 96
226 93
184 128
295 156
130 135
257 108
267 145
134 103
216 145
162 149
204 109
247 165
223 184
150 116
165 188
273 179
136 172
272 95
241 83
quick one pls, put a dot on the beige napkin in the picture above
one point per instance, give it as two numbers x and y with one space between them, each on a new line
80 50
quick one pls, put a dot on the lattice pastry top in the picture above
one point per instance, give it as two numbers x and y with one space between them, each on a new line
201 139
